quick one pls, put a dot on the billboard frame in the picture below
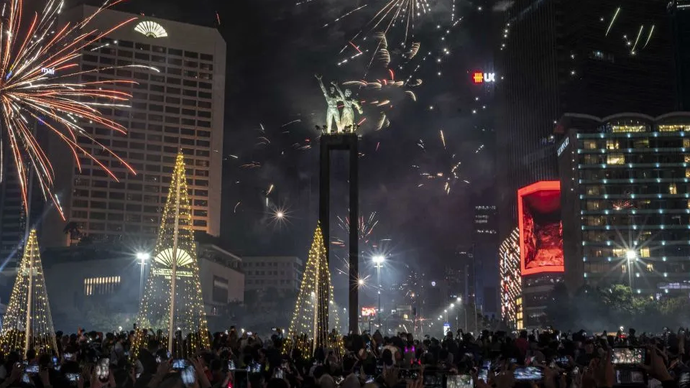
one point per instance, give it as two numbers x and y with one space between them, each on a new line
523 192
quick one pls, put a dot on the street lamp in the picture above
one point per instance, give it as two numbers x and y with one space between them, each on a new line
378 263
143 258
631 256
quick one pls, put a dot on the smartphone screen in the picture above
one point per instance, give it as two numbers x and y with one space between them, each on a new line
433 380
530 373
459 381
32 369
103 369
630 356
188 376
68 356
179 364
231 365
629 376
72 377
483 375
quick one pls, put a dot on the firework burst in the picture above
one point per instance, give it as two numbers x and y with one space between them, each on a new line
444 169
39 85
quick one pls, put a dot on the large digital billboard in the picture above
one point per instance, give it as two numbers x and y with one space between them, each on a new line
541 228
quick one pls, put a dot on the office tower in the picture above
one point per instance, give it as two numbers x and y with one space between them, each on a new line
680 17
626 197
574 56
485 239
179 106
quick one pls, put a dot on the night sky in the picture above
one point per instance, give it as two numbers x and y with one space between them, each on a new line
274 49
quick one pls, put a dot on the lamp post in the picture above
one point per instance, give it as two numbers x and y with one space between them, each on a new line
378 263
143 258
631 257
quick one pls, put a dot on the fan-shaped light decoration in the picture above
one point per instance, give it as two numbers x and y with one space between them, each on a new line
166 258
151 29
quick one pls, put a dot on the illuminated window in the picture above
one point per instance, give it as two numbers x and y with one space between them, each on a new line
590 144
686 158
672 189
618 252
624 268
686 143
671 128
592 190
650 267
596 205
687 172
612 144
615 159
628 128
644 252
101 286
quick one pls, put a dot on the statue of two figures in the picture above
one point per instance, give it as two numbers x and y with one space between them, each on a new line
345 122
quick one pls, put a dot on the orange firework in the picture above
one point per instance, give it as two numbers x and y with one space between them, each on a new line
39 84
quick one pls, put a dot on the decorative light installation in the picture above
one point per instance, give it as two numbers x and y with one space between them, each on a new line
310 319
173 302
28 323
151 29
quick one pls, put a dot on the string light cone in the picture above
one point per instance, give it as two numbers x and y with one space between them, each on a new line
28 323
309 327
172 301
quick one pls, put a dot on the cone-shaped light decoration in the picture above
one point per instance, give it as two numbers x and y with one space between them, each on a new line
309 325
172 301
28 323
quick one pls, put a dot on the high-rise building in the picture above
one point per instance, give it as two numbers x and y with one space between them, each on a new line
680 16
511 281
626 197
574 56
485 240
178 106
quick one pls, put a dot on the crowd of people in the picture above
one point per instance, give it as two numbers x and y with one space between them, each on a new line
548 359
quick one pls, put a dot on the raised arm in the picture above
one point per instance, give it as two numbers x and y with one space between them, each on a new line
342 95
323 88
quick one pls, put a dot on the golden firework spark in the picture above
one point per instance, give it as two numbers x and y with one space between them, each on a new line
39 85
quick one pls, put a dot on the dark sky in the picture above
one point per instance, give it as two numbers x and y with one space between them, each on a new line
274 49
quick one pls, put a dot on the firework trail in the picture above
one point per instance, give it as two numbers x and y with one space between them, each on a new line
39 73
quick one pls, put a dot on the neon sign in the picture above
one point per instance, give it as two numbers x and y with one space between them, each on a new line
480 78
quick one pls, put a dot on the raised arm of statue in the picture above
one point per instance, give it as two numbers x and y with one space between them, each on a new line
342 95
323 88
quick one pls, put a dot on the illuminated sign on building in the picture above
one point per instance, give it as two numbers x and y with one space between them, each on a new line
368 311
563 146
541 228
48 70
480 78
151 29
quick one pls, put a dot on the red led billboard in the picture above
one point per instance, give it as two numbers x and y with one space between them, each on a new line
541 228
